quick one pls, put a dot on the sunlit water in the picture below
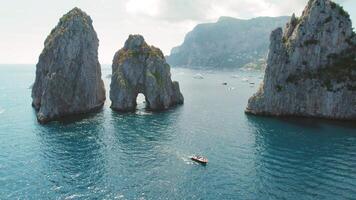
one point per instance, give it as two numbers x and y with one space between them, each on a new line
145 155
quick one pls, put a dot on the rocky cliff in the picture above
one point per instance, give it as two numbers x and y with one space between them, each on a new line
311 67
68 75
228 43
140 68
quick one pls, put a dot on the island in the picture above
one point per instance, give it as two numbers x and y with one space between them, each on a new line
140 68
68 74
311 67
229 43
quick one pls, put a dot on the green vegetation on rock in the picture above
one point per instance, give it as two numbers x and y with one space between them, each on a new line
120 78
342 69
311 42
340 9
279 88
157 76
328 19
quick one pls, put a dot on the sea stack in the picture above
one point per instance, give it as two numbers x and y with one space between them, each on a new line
311 67
68 74
140 68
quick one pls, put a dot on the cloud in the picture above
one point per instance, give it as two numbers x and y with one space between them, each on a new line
146 7
202 10
164 23
169 10
207 10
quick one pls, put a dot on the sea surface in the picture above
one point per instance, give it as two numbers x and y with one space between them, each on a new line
145 155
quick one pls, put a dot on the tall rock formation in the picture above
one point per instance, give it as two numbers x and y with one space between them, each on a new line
139 68
68 75
311 68
228 43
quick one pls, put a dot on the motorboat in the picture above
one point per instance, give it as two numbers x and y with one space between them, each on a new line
200 159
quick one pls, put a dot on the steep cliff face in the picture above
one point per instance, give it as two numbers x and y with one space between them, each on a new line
68 75
139 68
228 43
311 67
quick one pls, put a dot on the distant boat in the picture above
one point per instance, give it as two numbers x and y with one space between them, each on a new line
224 83
200 159
198 76
252 83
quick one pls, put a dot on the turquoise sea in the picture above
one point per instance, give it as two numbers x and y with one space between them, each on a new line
145 155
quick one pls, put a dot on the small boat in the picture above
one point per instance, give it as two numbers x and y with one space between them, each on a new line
200 159
224 83
198 76
245 79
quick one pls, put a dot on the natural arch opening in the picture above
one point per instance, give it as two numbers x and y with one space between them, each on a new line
140 101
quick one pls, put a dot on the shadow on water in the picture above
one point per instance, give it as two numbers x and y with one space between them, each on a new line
71 156
144 129
80 117
305 121
291 155
71 119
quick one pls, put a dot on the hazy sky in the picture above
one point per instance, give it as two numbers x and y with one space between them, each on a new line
26 23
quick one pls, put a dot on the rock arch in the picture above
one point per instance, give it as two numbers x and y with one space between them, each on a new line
140 68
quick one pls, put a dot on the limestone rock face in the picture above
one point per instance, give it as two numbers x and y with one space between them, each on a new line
139 68
68 75
311 68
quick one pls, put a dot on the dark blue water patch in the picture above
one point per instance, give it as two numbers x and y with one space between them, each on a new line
145 155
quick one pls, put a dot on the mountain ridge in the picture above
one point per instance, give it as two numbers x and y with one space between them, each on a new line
228 43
